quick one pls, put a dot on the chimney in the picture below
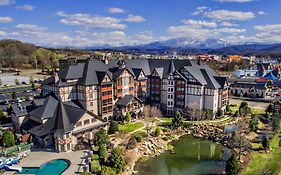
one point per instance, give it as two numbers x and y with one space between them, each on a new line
199 61
56 76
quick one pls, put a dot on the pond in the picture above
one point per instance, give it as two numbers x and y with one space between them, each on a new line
192 156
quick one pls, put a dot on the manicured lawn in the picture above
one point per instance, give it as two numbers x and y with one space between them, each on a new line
270 161
258 111
130 127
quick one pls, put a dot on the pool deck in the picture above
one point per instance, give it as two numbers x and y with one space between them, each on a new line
36 159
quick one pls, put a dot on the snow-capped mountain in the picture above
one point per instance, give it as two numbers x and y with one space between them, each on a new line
198 43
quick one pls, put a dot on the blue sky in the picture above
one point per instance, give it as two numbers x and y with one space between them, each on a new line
82 23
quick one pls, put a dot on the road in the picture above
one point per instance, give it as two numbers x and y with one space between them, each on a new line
252 104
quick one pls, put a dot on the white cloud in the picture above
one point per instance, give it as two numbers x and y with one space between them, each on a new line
95 21
31 27
224 15
198 23
269 28
5 19
2 33
228 24
115 10
200 10
134 18
25 7
230 30
234 0
6 2
261 13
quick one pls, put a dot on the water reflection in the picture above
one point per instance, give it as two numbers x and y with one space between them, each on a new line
192 157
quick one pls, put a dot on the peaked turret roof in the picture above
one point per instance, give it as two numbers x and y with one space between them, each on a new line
62 121
171 67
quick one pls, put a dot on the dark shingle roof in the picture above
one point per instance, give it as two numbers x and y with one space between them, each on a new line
126 100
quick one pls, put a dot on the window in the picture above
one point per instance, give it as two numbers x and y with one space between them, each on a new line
86 122
91 104
79 124
93 120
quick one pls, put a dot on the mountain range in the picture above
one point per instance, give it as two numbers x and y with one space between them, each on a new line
199 45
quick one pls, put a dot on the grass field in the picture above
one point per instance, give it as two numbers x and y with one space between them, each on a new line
130 127
270 162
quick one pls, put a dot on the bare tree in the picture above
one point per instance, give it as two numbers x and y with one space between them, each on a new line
193 111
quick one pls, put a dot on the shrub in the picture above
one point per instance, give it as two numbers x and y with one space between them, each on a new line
157 132
232 165
113 128
105 170
9 139
265 143
138 137
95 166
102 152
127 117
95 157
116 160
165 138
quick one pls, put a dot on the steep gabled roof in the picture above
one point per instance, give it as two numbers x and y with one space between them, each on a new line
62 122
90 76
211 81
172 68
126 100
47 110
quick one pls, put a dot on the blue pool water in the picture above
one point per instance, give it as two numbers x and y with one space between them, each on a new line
54 167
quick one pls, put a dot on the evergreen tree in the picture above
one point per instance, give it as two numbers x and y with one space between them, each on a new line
9 139
14 95
276 122
253 124
116 160
177 120
270 108
113 128
232 165
265 143
101 138
127 118
105 170
102 152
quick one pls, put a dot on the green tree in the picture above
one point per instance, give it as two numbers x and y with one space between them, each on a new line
2 116
244 109
265 143
127 118
113 128
33 85
157 132
95 166
105 170
177 120
232 165
9 139
14 95
276 121
102 152
116 160
253 124
270 108
101 138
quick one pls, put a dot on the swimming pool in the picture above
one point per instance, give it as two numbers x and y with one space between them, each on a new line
53 167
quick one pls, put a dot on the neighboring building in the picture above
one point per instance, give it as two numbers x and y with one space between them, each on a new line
249 89
234 58
170 84
63 124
